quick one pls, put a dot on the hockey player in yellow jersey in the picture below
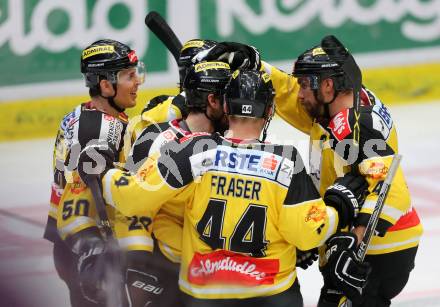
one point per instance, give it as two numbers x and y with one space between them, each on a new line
326 94
248 204
113 75
318 100
203 85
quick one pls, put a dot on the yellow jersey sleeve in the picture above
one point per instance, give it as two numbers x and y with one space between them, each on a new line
142 193
305 213
287 105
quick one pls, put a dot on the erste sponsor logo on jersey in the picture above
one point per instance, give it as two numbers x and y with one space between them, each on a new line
340 126
225 267
270 163
247 161
253 162
244 161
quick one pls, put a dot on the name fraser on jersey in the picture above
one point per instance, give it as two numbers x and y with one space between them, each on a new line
236 187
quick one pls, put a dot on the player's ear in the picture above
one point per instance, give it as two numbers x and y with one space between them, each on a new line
106 87
212 101
327 86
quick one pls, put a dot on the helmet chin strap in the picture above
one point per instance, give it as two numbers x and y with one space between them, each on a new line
267 123
111 99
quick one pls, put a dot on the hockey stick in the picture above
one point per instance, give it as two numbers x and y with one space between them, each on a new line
338 53
162 30
113 269
374 219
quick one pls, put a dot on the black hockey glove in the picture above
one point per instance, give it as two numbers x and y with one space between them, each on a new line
94 161
239 56
347 195
304 259
343 271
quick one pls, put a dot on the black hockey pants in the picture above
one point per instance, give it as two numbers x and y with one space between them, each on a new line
389 275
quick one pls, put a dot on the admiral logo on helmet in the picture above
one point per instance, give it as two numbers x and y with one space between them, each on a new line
318 51
193 44
97 50
210 65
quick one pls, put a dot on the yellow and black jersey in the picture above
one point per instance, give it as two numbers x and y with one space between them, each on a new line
168 222
72 205
247 208
160 109
57 186
332 157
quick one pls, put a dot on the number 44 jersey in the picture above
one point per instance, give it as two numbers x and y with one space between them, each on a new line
247 208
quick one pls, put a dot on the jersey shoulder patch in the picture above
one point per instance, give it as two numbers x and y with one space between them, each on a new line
381 120
340 125
112 130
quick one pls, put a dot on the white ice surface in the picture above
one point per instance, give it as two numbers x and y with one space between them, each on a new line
25 259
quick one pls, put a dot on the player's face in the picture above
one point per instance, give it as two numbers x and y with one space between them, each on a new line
308 100
128 83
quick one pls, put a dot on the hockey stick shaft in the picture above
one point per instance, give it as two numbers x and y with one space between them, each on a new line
114 279
162 30
374 219
100 208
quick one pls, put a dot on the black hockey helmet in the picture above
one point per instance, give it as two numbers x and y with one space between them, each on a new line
250 93
316 65
188 51
105 58
203 79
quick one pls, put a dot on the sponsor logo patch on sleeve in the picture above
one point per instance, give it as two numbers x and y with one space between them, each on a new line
374 169
316 214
